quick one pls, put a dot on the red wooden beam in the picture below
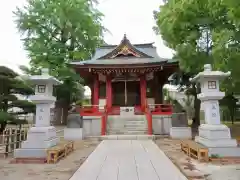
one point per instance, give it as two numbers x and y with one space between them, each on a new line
96 91
108 92
143 86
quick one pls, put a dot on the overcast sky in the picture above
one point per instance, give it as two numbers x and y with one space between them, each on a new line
133 17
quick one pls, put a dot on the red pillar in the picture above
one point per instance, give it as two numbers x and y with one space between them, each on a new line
96 91
143 89
108 92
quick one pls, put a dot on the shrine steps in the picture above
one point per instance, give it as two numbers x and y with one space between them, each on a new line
127 125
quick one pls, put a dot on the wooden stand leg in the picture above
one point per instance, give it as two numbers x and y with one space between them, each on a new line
55 157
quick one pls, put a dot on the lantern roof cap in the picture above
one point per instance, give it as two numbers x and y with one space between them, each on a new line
44 78
209 73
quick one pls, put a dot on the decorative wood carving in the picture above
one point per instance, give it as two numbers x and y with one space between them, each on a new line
125 48
127 70
125 51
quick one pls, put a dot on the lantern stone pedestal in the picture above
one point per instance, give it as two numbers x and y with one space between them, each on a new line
43 135
213 134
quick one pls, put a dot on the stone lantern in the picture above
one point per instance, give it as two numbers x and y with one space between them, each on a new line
213 134
42 135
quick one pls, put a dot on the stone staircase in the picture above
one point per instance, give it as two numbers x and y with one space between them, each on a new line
128 125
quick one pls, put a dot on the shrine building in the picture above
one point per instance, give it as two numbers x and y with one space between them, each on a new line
126 78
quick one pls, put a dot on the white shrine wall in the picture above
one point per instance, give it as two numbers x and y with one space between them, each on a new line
102 103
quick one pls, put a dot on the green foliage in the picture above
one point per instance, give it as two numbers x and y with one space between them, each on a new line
5 116
10 86
215 156
185 27
188 105
202 32
229 105
83 102
57 32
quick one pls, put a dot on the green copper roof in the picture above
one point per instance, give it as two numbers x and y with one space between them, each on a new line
123 61
147 49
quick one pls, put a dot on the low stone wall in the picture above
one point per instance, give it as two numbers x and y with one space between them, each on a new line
91 126
179 120
161 124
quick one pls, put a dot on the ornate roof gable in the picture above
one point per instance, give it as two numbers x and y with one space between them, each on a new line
125 49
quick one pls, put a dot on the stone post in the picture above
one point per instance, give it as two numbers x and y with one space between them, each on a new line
213 134
179 129
74 130
42 135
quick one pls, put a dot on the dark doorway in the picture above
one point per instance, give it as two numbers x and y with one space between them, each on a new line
126 93
118 90
133 93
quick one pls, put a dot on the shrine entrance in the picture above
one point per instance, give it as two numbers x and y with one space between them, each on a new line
126 93
126 78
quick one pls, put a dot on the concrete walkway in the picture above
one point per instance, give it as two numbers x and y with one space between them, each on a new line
128 160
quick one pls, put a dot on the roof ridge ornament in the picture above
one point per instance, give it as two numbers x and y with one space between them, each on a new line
207 67
125 48
124 38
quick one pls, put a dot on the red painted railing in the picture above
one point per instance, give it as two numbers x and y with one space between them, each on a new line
138 110
103 111
115 110
95 110
156 109
161 109
90 110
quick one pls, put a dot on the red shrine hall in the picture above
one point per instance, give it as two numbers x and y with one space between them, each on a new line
126 75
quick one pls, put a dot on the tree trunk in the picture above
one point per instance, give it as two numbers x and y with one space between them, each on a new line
197 106
232 112
3 126
61 113
57 114
65 113
196 118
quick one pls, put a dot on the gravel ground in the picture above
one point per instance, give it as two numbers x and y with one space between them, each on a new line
63 170
193 169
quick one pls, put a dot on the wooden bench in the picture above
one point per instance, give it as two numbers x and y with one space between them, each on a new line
185 146
195 150
54 154
198 151
69 147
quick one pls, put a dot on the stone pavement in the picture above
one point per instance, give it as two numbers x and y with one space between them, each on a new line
128 160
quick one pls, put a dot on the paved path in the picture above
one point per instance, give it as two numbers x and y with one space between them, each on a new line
127 160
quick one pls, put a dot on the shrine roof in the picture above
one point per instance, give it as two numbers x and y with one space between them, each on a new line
125 53
121 61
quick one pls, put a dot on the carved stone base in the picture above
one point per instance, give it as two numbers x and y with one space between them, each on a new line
218 140
224 152
220 131
39 139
